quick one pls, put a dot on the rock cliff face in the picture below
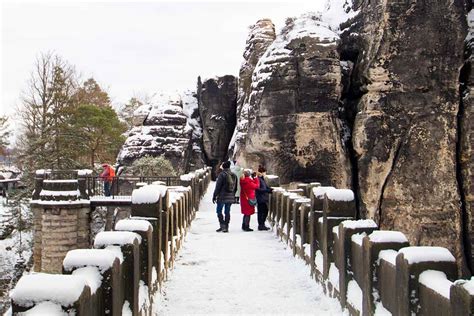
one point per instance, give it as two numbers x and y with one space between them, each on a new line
466 144
169 126
217 99
261 35
289 119
405 89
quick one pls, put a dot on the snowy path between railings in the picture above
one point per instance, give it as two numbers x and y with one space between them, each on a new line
239 273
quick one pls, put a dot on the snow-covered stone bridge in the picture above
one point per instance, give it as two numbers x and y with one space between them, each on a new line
317 259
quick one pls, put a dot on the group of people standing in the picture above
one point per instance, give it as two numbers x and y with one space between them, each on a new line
247 187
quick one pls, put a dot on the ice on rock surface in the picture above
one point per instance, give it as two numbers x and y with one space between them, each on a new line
64 290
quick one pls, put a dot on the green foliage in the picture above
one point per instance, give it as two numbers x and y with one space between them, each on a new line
152 166
96 132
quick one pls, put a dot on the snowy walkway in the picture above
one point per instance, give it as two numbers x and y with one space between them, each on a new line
239 273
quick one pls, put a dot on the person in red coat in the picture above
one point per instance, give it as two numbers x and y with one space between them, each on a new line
248 185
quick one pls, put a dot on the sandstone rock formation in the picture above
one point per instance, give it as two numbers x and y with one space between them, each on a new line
406 91
217 99
291 112
169 126
261 35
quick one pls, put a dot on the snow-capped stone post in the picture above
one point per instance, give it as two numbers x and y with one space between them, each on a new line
274 205
296 227
411 262
101 268
145 230
187 182
82 182
272 180
279 195
147 203
61 222
304 187
348 252
290 209
380 251
53 293
462 297
314 238
434 293
305 231
338 205
129 245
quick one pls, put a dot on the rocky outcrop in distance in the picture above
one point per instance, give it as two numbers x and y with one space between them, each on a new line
217 99
169 126
289 118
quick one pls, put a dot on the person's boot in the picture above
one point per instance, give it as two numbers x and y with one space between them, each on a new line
221 223
247 224
226 223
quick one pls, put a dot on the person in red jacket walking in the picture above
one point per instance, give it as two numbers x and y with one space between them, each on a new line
248 185
107 176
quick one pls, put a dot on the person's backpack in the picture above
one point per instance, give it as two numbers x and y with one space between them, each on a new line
231 182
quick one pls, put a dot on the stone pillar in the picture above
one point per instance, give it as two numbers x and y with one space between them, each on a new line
61 221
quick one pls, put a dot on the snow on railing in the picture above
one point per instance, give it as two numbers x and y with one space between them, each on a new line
367 269
127 267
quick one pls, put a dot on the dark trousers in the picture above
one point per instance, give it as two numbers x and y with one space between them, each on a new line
262 214
107 187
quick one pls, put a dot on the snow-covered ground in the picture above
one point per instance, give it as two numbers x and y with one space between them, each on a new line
239 273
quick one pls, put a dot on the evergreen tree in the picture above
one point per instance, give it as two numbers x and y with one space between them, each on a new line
97 132
91 93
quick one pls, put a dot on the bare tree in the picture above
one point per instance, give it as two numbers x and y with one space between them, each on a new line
44 108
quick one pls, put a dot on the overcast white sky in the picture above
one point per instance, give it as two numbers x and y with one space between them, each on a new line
133 48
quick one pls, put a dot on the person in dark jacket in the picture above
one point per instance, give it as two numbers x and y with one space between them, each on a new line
262 199
224 195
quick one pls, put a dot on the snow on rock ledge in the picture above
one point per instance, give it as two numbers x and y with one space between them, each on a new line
425 254
380 236
320 191
61 289
148 194
101 258
115 238
340 195
133 225
363 223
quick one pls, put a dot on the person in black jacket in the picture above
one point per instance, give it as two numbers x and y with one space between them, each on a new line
262 199
224 195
